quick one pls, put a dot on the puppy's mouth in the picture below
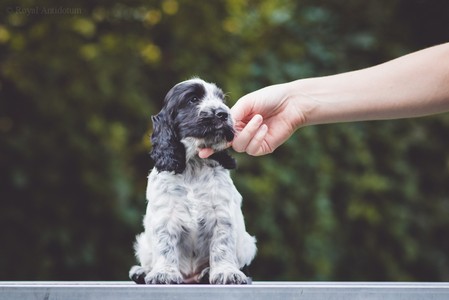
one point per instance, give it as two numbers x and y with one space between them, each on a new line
215 135
212 130
209 132
225 131
219 134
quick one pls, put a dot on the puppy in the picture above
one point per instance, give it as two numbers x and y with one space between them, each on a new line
194 227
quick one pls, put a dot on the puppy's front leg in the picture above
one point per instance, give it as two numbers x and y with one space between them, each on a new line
223 258
166 265
164 223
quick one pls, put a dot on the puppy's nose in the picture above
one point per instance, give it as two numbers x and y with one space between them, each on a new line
221 114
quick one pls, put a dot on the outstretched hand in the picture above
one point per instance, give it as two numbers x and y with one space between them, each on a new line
266 118
248 135
263 121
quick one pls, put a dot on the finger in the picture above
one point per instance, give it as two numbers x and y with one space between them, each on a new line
255 145
244 137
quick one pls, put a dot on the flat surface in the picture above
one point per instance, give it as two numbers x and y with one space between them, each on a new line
258 290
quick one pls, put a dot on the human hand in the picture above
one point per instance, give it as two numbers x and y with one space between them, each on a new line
264 119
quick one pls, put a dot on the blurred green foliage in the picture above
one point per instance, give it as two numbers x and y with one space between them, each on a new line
79 81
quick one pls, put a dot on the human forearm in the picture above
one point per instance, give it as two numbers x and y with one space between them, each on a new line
413 85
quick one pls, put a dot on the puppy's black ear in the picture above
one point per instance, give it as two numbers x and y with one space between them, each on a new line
224 159
168 153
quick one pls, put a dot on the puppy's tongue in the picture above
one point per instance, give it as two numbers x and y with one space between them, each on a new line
205 152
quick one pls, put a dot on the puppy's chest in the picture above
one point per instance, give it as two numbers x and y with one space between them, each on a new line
201 199
204 195
192 197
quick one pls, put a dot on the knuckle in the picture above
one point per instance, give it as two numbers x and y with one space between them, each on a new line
238 146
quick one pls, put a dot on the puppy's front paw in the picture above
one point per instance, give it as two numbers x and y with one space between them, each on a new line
137 274
233 276
164 276
204 276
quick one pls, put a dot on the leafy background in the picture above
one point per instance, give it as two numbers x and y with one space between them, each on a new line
79 81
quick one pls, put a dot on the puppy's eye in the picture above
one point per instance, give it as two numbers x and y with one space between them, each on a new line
194 99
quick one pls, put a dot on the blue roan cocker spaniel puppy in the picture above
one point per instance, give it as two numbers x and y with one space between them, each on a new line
194 227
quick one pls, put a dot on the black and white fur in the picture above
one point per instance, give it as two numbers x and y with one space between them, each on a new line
194 227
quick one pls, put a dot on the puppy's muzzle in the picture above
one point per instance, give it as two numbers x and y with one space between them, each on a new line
218 114
221 114
218 120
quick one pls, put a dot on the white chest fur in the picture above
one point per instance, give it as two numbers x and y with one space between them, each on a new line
194 221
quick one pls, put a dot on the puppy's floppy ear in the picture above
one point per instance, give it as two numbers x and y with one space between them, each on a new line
168 153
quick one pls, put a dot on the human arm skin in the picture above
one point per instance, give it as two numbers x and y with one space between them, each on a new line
413 85
410 86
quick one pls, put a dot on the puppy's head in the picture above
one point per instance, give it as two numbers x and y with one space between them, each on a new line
194 116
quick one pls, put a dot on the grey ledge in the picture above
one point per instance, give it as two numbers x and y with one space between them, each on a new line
258 290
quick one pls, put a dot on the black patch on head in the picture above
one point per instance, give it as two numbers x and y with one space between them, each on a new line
184 95
180 118
168 153
183 100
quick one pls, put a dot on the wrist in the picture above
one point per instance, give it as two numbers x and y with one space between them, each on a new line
329 99
306 105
